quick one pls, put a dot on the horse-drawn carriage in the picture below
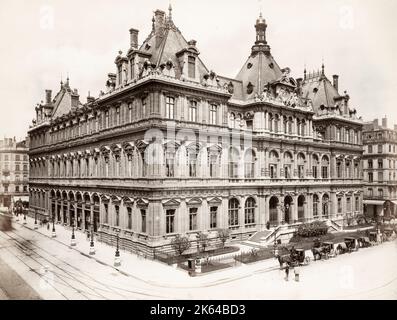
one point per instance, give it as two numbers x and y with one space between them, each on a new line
351 244
364 242
296 257
321 250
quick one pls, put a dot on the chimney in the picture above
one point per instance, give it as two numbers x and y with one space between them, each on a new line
376 125
75 99
134 38
159 22
384 122
335 78
89 98
48 98
192 43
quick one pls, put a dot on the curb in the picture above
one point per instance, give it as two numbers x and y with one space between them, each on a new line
208 284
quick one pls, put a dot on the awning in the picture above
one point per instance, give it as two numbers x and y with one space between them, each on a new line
375 202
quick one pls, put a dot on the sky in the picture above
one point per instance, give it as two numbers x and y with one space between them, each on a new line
43 42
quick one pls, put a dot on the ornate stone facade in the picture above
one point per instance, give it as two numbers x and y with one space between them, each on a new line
171 147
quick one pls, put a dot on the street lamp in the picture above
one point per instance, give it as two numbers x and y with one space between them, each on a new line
117 261
53 227
73 240
92 249
35 220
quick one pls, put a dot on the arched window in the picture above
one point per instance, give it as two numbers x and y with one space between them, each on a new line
249 164
233 162
270 122
192 160
338 134
315 206
325 206
285 125
232 120
303 128
233 212
273 211
287 165
273 160
301 165
315 163
301 208
250 211
276 123
290 121
324 167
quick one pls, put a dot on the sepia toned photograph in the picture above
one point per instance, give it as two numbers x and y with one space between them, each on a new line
198 150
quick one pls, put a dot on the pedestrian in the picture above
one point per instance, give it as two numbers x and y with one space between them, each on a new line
286 272
296 271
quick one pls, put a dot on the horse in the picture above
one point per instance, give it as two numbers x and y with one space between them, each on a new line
284 259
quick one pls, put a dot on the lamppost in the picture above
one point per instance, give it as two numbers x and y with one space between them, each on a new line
24 216
92 249
53 227
117 261
73 240
35 219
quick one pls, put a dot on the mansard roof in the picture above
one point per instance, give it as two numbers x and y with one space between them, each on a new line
319 89
165 43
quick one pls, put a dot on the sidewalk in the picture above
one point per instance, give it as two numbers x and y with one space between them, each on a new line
149 271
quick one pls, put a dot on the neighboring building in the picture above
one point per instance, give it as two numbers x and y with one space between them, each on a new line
171 147
14 171
380 167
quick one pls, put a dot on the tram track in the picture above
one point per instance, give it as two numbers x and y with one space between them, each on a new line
106 287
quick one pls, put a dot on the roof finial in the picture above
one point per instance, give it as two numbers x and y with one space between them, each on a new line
153 21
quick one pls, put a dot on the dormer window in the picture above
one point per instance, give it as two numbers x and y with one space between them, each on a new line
250 88
192 67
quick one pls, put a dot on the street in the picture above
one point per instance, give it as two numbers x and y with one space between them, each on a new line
44 268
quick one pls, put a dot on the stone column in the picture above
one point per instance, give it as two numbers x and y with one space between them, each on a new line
294 207
224 214
260 212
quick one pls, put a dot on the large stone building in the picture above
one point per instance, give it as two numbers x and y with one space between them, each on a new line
172 147
380 157
14 171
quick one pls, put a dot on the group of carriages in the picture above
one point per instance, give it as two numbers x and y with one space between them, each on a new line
328 249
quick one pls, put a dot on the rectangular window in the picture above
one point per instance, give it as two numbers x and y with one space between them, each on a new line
370 177
370 164
273 171
371 192
16 188
324 172
170 218
192 67
106 119
132 73
106 213
314 169
379 148
130 112
129 217
348 204
193 111
301 171
287 172
169 107
193 219
339 205
143 219
117 210
117 120
213 114
144 102
192 164
213 216
357 204
370 149
380 164
169 164
380 176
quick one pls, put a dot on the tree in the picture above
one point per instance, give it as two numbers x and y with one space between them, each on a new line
223 235
180 244
202 239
